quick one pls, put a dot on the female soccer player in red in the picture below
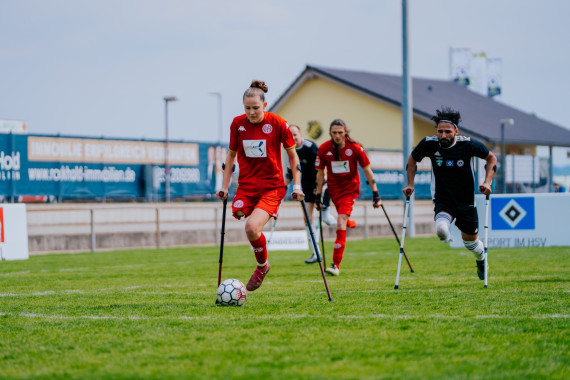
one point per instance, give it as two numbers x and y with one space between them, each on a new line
340 156
256 138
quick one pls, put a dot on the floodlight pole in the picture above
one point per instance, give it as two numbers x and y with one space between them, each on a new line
407 121
504 122
166 163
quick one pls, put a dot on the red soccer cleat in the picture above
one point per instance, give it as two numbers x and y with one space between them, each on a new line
257 277
350 223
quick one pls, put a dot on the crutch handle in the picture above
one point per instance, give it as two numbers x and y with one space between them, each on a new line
409 192
482 189
294 195
221 194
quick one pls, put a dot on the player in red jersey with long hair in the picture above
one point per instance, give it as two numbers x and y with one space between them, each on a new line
340 156
256 138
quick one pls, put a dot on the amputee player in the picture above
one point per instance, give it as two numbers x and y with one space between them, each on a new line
307 153
451 159
340 157
256 138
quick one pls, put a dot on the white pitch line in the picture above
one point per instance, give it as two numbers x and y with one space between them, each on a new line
14 273
291 316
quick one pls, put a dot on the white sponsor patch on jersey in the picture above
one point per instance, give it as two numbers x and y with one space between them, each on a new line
255 148
340 167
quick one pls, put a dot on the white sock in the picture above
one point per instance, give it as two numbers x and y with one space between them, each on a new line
477 247
442 224
310 240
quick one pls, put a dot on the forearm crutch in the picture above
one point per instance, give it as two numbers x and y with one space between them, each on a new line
315 246
225 204
485 263
322 237
406 209
397 239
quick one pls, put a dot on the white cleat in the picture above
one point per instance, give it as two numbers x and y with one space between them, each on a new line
333 269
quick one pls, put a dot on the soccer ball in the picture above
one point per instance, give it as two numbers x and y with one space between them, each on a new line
231 292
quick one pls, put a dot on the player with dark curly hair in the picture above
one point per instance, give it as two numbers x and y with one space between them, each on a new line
451 159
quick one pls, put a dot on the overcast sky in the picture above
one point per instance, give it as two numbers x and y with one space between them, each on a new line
102 68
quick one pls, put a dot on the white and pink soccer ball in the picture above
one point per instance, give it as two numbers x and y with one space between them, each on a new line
231 292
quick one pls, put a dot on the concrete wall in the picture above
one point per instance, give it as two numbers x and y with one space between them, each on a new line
84 227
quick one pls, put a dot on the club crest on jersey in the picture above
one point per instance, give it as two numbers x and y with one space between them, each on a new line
348 152
460 163
255 148
238 203
449 163
267 129
439 161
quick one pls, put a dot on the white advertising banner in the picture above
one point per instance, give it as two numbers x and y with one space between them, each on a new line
460 65
478 74
288 241
13 232
494 76
522 220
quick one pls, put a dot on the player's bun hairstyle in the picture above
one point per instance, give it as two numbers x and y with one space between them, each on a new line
447 114
346 131
257 88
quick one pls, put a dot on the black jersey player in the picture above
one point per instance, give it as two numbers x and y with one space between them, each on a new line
451 158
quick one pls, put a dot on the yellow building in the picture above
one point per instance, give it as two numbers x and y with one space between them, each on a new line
370 104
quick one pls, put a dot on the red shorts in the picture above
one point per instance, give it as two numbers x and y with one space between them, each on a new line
344 203
268 201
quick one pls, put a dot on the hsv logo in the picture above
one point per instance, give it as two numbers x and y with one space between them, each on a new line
449 163
1 225
514 213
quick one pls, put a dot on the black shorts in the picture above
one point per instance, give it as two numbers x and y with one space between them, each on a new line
465 216
309 191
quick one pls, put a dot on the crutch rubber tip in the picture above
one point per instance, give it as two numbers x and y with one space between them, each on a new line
395 286
330 299
412 271
485 286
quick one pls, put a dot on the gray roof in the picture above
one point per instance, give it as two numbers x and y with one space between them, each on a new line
480 115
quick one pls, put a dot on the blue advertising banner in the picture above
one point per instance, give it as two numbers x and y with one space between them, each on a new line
80 168
390 177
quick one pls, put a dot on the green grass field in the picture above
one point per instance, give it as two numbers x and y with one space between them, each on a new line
146 314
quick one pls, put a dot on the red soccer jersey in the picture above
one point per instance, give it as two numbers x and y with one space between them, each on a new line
342 175
258 148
